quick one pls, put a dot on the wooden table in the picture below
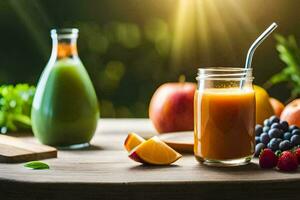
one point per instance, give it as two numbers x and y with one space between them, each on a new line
105 172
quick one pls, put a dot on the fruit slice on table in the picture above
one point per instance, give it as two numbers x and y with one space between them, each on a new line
132 141
155 152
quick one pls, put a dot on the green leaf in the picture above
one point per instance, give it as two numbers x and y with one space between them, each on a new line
36 165
15 106
277 78
295 92
289 53
279 38
278 153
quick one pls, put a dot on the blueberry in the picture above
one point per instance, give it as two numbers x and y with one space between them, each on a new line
285 145
274 133
276 125
292 127
264 138
257 139
284 125
267 122
258 148
274 144
274 119
295 140
266 129
258 129
296 132
287 136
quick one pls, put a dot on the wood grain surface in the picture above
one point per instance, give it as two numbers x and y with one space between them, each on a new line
104 171
13 150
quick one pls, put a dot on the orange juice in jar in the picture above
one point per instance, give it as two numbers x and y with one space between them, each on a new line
224 116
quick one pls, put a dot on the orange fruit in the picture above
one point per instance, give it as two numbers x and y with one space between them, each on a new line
132 141
155 152
277 106
264 108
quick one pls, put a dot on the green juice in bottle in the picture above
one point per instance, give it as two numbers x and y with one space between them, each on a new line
65 107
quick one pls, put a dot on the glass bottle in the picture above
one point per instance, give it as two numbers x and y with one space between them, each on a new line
65 107
224 116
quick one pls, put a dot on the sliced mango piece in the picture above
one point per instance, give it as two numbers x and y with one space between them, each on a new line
132 141
155 152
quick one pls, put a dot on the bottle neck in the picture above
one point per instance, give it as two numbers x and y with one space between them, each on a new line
64 48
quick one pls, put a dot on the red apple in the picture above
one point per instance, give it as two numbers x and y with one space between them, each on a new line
291 113
172 107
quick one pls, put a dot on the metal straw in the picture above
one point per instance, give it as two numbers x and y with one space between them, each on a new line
255 44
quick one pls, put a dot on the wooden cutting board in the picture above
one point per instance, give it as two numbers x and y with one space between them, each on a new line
180 141
13 150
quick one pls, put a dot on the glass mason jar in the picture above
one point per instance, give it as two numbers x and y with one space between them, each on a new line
65 107
224 113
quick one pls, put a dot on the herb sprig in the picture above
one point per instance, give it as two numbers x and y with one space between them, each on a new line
15 107
289 53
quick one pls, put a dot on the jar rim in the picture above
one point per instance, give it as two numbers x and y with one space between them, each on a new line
224 69
224 73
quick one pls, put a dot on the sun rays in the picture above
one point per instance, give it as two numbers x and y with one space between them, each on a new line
208 24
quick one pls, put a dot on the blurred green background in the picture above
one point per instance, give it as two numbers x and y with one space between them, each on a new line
130 47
